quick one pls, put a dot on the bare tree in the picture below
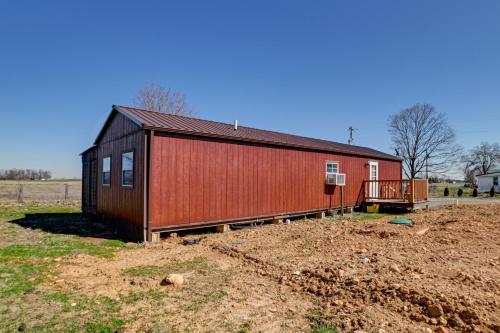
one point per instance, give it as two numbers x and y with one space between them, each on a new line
24 174
482 158
158 98
469 176
423 139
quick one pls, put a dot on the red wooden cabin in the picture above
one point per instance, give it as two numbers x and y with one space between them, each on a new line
151 172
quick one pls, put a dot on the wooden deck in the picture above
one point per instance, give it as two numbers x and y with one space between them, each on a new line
406 193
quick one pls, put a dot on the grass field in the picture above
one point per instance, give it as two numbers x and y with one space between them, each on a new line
69 180
36 190
29 258
436 190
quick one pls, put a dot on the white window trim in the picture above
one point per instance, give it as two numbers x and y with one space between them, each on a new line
110 168
133 169
332 162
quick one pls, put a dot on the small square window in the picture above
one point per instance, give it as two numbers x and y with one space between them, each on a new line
128 169
106 171
332 167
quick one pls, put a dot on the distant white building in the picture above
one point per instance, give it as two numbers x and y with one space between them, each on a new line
487 180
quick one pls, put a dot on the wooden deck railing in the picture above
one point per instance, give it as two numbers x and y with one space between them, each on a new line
409 190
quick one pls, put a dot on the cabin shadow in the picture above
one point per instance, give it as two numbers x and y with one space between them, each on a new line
67 224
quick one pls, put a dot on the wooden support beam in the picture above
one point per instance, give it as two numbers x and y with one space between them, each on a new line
155 237
320 215
348 209
222 228
277 221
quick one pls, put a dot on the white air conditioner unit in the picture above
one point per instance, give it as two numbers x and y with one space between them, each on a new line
340 179
335 179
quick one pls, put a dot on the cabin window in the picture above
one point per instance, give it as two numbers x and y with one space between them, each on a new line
332 167
106 171
128 169
495 181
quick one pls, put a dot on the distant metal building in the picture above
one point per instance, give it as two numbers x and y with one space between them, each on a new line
151 172
488 180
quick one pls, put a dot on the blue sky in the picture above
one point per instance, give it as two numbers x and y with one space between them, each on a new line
306 67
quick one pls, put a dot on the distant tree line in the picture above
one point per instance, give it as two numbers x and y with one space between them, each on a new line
24 174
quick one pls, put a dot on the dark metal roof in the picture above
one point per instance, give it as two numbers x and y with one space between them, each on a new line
491 172
88 149
160 121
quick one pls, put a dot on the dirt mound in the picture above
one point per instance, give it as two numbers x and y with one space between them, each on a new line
439 274
365 274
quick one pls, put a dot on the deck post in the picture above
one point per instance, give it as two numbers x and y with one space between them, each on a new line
412 185
402 190
427 190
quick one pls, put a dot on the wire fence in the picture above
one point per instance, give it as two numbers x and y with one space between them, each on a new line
39 191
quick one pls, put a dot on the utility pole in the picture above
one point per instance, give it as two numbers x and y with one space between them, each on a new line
426 165
351 139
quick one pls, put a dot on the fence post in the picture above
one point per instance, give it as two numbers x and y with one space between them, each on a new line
66 191
20 193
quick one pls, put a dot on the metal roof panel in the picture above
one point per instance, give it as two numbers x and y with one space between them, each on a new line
181 124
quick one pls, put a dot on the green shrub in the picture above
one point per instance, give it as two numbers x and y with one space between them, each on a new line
492 191
460 192
446 191
474 193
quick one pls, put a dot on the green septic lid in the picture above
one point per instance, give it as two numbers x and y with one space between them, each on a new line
400 220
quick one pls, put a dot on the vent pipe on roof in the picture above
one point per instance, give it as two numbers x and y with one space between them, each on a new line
236 124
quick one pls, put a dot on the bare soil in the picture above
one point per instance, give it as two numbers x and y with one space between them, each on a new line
441 274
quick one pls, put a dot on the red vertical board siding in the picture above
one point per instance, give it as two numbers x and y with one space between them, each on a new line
157 161
202 180
387 172
195 182
116 203
183 181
